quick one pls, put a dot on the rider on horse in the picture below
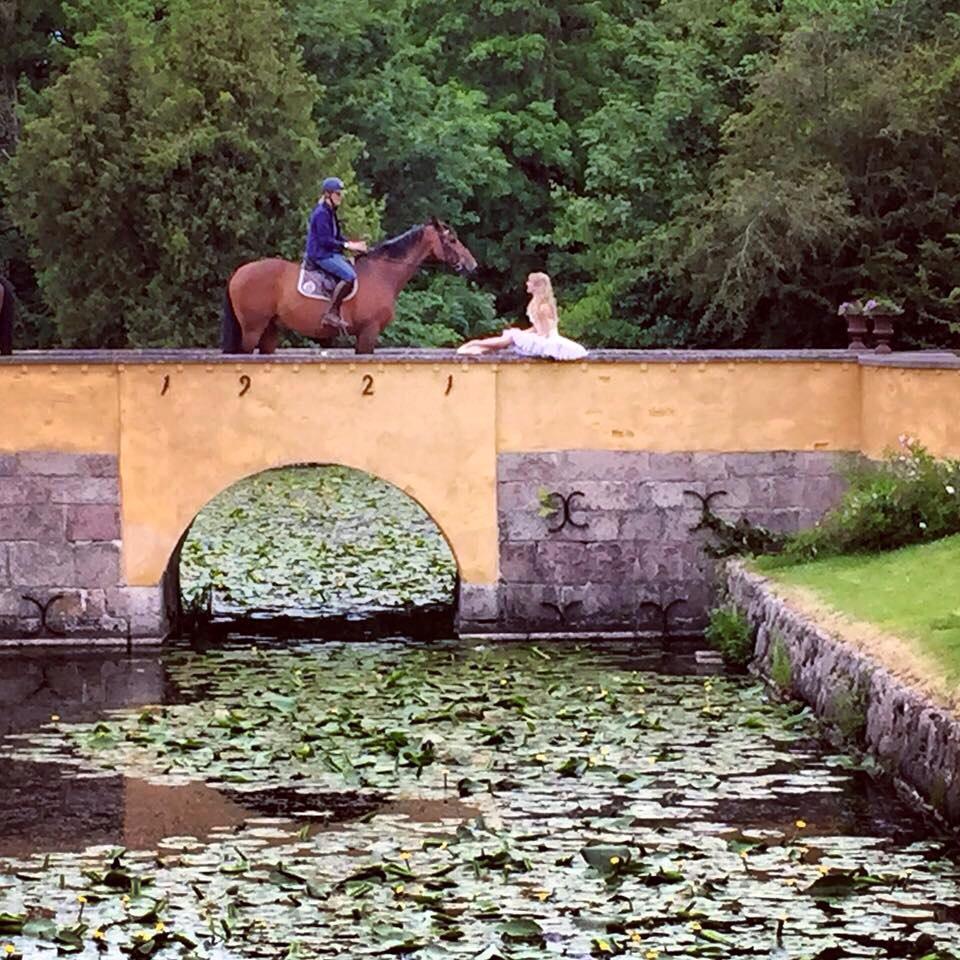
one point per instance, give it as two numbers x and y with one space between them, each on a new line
326 244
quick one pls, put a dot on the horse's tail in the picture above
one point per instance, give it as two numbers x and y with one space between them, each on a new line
6 319
231 336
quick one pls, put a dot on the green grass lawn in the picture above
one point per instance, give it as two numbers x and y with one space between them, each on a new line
913 593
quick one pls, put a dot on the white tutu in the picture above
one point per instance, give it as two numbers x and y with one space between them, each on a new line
529 343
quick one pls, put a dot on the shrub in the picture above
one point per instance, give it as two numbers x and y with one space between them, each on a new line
909 497
729 632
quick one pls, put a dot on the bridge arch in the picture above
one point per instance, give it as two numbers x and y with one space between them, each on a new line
315 474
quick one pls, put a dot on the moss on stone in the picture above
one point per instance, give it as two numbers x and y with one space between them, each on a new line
781 666
848 708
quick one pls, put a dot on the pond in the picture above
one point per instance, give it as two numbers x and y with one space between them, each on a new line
308 799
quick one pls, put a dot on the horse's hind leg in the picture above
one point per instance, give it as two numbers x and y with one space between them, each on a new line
270 337
251 337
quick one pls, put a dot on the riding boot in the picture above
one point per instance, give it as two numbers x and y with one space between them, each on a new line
332 316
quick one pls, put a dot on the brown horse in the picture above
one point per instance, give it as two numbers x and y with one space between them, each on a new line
6 317
262 296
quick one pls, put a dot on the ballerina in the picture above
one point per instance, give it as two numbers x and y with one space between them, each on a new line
542 338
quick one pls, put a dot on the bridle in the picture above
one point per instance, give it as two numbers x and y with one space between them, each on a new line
450 256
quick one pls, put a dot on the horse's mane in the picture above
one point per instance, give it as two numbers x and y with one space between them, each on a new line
396 248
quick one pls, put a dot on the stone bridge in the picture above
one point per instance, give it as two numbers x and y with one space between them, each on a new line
107 457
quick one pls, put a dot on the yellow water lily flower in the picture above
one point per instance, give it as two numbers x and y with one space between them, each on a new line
97 934
603 946
800 824
614 860
159 928
542 895
9 948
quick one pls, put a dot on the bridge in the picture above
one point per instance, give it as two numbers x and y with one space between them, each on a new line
107 457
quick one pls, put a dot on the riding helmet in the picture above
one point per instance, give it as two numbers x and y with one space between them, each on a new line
331 184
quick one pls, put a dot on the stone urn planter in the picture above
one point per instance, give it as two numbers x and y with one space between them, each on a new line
882 331
880 312
856 325
856 332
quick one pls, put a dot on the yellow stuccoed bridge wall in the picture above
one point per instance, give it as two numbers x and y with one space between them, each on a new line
184 430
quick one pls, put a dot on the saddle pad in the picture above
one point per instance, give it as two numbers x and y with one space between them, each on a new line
318 285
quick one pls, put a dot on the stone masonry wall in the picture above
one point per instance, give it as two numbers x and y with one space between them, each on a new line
913 738
60 570
624 549
619 547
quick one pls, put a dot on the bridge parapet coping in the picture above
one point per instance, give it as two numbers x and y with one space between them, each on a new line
934 359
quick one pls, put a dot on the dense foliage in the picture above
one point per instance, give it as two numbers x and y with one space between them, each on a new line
693 172
910 497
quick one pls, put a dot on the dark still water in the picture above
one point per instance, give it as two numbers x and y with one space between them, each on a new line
445 800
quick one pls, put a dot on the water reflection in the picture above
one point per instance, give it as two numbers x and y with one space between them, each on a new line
46 808
74 685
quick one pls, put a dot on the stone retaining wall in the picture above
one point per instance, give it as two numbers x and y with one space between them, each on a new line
912 738
60 573
623 548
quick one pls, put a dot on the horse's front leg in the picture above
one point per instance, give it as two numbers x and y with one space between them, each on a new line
367 338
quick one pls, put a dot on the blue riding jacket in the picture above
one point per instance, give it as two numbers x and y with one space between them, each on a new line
324 236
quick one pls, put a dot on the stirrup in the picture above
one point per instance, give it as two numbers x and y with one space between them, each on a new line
333 319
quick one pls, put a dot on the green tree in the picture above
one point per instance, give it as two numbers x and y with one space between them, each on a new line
467 112
170 151
35 43
840 178
650 146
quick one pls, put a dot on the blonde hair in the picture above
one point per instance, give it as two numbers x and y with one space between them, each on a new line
542 301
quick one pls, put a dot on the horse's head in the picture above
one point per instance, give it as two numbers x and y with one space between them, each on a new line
446 247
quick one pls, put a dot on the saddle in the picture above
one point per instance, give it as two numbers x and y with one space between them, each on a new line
318 284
